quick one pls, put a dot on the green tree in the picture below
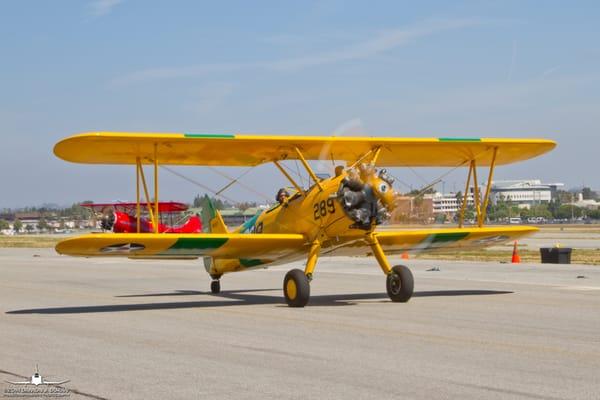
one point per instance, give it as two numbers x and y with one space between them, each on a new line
4 224
218 203
567 211
469 213
440 218
42 225
593 214
29 228
17 225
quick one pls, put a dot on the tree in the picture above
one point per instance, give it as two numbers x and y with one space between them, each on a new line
567 211
469 213
29 228
17 225
218 203
594 214
540 210
4 224
42 225
246 205
440 218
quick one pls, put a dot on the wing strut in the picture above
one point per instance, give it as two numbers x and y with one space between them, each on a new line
480 206
137 194
463 206
375 151
151 210
308 168
156 212
288 176
489 187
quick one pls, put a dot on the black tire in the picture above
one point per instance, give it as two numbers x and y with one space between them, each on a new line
400 284
215 287
296 288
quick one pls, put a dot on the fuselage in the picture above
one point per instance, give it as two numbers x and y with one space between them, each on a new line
318 215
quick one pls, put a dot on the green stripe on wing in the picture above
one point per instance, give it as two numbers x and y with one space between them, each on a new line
194 246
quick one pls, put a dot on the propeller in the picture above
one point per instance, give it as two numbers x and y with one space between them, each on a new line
366 193
353 127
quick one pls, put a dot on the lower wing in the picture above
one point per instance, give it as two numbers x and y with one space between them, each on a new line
396 242
280 246
172 245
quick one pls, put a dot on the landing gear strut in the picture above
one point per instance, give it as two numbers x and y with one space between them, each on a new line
215 286
399 280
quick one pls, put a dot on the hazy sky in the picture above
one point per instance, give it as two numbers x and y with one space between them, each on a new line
480 68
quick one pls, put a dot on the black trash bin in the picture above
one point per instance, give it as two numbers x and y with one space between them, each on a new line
556 255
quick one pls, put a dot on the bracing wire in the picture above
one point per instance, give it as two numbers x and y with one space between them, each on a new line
201 185
237 180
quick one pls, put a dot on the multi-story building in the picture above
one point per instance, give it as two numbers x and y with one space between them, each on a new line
449 203
523 193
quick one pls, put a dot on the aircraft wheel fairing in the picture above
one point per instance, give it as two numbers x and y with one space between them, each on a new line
296 288
215 287
400 284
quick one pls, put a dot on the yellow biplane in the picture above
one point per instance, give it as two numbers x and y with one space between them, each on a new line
336 215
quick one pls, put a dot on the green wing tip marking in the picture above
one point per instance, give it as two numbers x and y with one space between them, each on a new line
448 139
208 136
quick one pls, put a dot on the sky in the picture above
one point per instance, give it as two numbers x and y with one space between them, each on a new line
397 68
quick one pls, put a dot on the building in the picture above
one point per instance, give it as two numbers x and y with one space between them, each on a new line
234 217
449 203
582 203
523 193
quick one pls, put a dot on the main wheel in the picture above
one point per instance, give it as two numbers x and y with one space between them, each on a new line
296 288
215 286
400 284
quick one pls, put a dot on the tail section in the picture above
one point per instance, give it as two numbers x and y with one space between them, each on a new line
213 222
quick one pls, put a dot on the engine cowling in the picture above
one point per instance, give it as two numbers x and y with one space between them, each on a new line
367 196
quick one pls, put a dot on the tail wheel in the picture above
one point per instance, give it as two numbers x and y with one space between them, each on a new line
400 284
296 288
215 286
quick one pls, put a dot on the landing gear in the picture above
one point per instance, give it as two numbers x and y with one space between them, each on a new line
215 286
296 284
296 288
400 284
399 280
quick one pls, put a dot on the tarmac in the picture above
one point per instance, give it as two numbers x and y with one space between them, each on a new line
121 329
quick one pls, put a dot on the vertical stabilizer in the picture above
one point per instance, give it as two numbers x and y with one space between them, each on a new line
211 218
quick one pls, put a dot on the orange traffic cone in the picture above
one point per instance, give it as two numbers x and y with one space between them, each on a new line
516 258
404 255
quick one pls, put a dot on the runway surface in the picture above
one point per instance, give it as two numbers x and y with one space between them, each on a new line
120 329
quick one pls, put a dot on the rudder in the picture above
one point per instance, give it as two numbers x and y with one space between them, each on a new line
211 218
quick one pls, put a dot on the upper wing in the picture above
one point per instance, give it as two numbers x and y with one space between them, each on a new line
396 242
221 245
239 150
